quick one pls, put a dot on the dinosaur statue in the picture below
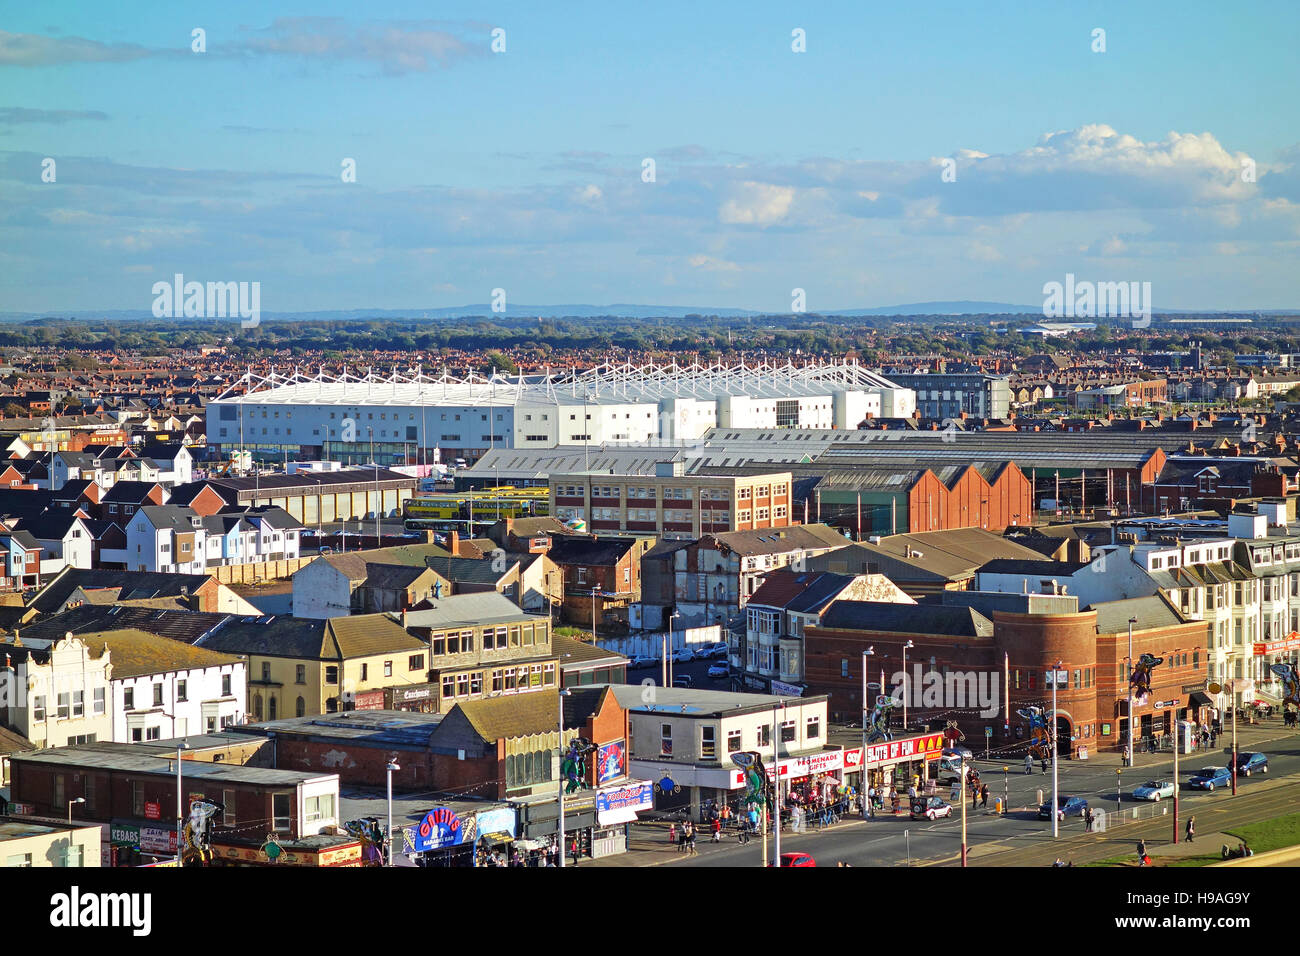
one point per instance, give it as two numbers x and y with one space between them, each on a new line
196 836
1140 679
573 765
758 789
1291 685
374 842
1040 738
878 725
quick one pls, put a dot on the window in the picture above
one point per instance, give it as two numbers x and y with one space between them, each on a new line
365 672
332 674
300 674
414 663
787 731
78 703
449 687
476 683
320 808
228 807
708 743
764 735
462 685
137 798
157 695
814 725
266 671
225 685
733 741
280 804
844 667
182 692
65 706
155 733
497 682
18 860
300 708
666 739
38 708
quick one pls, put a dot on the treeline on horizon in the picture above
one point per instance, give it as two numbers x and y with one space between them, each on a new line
706 338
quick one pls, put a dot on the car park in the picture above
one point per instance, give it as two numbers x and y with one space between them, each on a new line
1155 790
1249 762
1208 778
1065 807
720 669
930 809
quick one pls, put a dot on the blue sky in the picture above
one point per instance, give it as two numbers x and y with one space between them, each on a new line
821 170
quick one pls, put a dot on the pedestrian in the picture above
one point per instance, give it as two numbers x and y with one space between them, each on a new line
1191 828
574 850
984 797
1029 763
717 831
726 814
672 833
1087 820
974 798
1142 849
1043 762
690 844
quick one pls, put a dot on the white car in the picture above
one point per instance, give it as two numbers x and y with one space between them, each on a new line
1154 790
716 649
683 656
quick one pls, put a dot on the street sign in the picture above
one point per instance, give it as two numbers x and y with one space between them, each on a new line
988 731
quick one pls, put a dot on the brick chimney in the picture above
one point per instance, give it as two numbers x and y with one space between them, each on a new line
453 543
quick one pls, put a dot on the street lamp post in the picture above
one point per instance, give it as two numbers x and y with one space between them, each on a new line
776 783
906 684
1006 790
180 813
1131 622
862 765
392 766
1119 800
70 804
560 789
963 809
1178 744
1056 789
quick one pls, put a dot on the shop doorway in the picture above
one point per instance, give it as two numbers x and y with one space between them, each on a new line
1063 743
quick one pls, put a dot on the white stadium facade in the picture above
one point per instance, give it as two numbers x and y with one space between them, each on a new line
402 417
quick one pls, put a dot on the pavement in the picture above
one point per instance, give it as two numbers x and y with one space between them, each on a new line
1019 838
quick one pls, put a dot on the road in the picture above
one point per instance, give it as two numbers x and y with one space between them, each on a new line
1020 838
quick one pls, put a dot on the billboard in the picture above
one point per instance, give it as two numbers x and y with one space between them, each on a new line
611 761
441 827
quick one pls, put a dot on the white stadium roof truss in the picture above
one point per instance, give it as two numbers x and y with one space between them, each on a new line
625 382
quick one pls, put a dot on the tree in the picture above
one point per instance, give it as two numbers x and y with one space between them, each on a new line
14 410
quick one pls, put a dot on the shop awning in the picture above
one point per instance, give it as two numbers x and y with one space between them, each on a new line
1199 698
616 816
496 839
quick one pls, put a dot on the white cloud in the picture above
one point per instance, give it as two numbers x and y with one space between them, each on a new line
756 204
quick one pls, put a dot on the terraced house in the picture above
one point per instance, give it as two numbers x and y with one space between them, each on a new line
484 645
300 668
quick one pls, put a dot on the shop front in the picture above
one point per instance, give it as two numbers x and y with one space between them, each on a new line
538 825
445 837
140 842
894 765
318 850
1268 653
416 698
496 837
616 808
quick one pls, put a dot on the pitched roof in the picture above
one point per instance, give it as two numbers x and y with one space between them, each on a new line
780 540
907 619
1151 612
177 625
338 638
127 585
520 715
134 653
467 610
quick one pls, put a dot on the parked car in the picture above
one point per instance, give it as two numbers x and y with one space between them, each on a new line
1154 790
1065 807
683 656
637 663
327 550
716 649
930 809
1249 762
684 680
958 752
720 669
950 766
1207 778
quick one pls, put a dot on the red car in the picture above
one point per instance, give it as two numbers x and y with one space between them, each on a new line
796 859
